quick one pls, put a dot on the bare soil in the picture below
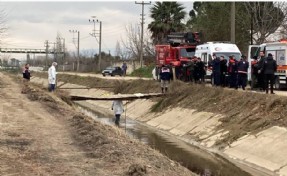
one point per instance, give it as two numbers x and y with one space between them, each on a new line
40 134
244 111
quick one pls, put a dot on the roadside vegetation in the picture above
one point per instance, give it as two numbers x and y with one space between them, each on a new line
144 72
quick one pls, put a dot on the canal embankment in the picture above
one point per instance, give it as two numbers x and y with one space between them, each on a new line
243 126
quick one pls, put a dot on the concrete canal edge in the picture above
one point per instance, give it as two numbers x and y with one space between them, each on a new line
264 151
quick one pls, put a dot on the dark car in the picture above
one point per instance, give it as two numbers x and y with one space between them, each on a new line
112 71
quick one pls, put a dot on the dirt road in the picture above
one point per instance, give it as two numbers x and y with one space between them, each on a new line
33 141
278 92
41 135
104 77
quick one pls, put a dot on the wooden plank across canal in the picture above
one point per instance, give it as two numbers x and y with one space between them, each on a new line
111 97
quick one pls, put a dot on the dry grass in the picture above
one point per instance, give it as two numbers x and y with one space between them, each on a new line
243 112
112 150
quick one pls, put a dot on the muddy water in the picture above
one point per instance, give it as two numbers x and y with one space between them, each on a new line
198 161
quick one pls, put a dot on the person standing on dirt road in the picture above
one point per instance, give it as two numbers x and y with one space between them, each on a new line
124 68
268 69
52 77
26 77
118 108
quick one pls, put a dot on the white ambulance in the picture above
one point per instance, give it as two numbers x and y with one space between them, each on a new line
205 52
279 52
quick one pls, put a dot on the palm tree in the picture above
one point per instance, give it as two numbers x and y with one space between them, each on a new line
167 17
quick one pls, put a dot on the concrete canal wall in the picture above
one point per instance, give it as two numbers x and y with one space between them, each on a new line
266 150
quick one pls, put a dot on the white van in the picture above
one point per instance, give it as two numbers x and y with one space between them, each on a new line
219 48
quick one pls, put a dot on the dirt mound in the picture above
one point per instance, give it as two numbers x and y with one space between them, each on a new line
117 86
81 80
119 153
137 86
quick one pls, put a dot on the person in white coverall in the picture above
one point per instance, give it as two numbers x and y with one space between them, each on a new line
118 108
52 77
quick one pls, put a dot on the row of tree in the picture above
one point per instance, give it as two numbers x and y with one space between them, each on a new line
256 23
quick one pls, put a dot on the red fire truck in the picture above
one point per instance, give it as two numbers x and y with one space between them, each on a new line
178 50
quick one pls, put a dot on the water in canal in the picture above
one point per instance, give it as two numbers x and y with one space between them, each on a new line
195 159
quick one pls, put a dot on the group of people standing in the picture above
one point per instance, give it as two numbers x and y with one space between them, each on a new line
231 73
263 72
51 77
193 71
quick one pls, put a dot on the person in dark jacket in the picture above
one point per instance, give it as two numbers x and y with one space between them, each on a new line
269 67
191 66
201 70
26 77
261 60
232 71
124 68
26 72
216 71
196 70
223 71
243 66
254 73
165 77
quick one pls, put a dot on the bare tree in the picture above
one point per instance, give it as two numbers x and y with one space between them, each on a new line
118 49
266 18
149 48
121 52
88 53
132 43
60 49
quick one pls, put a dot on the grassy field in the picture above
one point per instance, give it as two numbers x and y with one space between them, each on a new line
145 72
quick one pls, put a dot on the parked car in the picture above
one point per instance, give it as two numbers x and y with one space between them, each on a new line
112 71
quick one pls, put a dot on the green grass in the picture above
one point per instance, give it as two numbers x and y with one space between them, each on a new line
145 72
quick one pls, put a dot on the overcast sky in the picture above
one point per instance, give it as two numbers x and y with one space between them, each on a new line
30 23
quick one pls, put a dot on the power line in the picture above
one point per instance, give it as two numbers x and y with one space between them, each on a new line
100 38
84 37
78 48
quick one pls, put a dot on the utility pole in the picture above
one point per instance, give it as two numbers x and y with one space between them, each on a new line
54 50
78 62
64 50
232 20
61 47
93 34
100 45
77 46
142 27
46 44
251 29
